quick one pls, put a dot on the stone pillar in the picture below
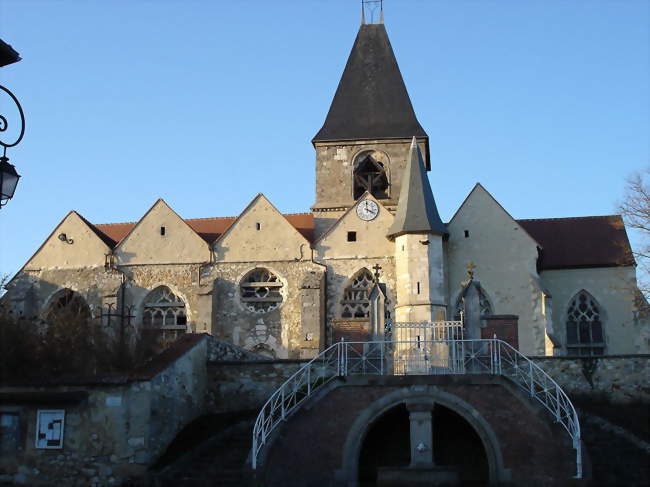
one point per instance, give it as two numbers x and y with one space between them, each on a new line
421 434
472 306
377 311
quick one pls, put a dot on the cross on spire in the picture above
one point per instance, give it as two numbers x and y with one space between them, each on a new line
376 268
470 270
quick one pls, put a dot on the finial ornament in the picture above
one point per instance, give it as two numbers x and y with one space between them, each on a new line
369 10
376 268
470 270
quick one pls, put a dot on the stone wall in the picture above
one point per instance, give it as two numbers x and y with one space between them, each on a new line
114 427
235 386
278 333
620 379
614 288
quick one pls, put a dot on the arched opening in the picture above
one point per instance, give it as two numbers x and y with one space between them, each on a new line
356 297
370 175
386 444
261 291
456 445
163 309
68 306
164 318
584 326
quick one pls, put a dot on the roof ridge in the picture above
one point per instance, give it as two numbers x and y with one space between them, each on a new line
117 223
567 218
301 213
210 218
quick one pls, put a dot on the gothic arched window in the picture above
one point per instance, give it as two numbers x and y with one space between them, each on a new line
584 327
260 291
163 309
68 305
356 298
484 304
370 175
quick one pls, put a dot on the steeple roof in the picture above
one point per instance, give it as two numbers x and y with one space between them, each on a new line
416 209
371 101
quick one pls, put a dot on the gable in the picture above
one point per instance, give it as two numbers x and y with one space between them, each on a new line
82 246
371 240
145 243
261 233
485 216
484 233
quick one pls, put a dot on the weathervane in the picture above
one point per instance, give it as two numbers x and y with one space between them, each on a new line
370 7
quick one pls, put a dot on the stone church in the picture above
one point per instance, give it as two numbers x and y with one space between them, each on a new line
287 285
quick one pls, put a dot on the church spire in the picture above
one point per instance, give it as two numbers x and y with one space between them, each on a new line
416 210
371 101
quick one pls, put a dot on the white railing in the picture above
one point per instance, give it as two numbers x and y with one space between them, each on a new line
417 357
425 330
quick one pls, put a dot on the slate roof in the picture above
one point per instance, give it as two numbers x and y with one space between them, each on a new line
580 242
416 209
210 229
371 101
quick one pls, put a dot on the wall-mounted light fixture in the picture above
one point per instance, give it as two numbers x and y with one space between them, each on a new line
8 175
64 238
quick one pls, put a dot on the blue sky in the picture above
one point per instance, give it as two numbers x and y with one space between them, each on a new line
207 103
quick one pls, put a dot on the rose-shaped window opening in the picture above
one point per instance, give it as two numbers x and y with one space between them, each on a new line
261 291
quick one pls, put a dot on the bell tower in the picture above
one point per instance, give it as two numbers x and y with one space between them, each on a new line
365 140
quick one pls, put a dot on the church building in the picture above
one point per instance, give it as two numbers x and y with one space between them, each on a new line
288 285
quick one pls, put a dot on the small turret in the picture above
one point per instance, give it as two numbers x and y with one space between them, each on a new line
418 232
416 210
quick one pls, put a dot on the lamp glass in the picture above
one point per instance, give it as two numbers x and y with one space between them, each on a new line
8 179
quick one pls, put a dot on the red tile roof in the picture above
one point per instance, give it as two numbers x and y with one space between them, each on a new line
210 229
591 241
580 242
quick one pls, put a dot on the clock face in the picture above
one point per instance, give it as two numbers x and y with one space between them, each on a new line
367 210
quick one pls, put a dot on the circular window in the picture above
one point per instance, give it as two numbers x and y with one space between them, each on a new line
261 291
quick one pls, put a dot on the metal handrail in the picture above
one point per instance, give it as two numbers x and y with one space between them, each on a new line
417 357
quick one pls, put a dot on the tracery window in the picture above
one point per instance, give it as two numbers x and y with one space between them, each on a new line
68 305
163 309
261 291
356 298
584 328
370 175
484 304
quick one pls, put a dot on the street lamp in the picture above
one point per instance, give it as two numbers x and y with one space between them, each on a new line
8 175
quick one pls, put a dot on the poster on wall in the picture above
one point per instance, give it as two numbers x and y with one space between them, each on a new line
49 428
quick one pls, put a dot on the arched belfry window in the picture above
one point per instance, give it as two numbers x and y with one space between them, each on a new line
165 310
261 291
356 297
584 327
370 174
484 304
68 305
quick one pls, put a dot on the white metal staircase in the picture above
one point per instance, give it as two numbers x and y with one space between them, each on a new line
417 357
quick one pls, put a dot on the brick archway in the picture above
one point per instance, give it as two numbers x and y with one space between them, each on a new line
427 396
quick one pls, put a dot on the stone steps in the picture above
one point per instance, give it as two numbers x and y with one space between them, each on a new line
220 461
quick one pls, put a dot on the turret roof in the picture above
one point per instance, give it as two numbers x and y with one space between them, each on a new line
416 209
